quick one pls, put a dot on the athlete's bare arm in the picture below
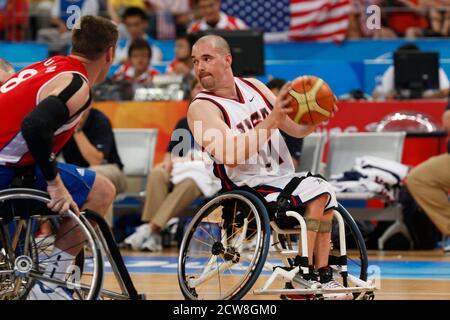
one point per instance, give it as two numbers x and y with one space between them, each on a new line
287 125
221 142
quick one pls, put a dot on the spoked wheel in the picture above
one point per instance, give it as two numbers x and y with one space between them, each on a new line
39 248
357 260
224 247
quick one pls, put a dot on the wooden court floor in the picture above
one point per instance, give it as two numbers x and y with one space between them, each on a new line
407 275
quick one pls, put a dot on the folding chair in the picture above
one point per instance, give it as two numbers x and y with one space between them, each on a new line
136 148
344 148
312 152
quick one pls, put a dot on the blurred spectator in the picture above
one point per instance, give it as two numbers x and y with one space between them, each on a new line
163 199
358 22
405 16
386 88
136 23
439 22
13 20
138 69
182 64
429 184
294 144
213 18
116 8
172 17
59 36
6 70
93 146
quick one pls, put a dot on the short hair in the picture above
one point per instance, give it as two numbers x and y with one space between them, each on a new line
5 65
94 37
140 44
275 83
186 36
134 12
219 42
408 47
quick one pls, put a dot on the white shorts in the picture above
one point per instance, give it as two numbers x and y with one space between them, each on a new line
310 188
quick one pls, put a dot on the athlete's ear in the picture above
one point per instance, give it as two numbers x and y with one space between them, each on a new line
229 60
110 54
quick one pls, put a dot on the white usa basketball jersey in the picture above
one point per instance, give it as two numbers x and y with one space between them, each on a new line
273 160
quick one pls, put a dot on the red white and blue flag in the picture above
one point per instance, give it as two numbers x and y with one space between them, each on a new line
303 20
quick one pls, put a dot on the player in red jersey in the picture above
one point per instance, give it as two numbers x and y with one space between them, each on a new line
40 107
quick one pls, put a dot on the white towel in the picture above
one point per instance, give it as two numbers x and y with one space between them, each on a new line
197 171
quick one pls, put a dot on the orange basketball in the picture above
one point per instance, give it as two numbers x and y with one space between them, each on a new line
313 100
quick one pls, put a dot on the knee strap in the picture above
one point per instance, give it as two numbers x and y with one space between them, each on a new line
312 224
325 226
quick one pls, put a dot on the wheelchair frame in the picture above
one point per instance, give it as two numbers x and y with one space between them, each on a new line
360 288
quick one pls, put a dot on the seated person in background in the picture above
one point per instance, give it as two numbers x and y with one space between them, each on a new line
386 89
440 22
58 37
136 23
163 199
182 64
6 70
213 18
294 144
405 16
139 69
429 184
93 146
115 8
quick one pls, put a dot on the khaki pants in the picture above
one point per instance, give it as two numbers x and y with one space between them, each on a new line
429 184
118 179
161 203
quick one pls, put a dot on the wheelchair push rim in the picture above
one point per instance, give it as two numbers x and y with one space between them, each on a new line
224 247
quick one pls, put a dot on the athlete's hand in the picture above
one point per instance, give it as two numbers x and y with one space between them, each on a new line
281 108
61 200
167 165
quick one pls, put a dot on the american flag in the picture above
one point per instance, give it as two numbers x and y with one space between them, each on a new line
307 20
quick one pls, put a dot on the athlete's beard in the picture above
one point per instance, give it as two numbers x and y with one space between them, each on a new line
207 82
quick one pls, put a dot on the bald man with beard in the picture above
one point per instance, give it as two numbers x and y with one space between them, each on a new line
246 118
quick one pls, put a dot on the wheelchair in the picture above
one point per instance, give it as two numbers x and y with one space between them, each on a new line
237 237
26 251
32 236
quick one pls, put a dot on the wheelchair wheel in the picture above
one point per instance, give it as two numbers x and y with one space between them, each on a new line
357 260
32 240
224 248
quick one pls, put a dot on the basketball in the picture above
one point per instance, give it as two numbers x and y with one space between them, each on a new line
313 100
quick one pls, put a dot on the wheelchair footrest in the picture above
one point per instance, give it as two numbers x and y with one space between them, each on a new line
313 291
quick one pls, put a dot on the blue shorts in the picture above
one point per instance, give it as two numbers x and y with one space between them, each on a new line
78 181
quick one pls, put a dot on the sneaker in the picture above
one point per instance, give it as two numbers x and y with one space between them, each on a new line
327 281
333 284
135 240
43 292
153 243
307 281
447 249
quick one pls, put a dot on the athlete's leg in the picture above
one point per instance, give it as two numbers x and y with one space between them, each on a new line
313 216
